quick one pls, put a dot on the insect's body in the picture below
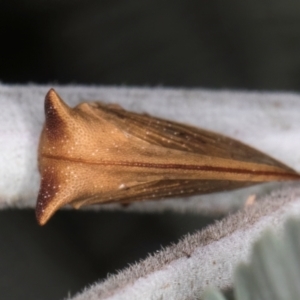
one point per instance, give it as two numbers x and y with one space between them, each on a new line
97 153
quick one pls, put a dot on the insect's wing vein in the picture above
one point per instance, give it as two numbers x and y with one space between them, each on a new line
163 189
186 138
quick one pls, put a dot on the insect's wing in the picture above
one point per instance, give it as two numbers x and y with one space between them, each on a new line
163 189
186 138
174 136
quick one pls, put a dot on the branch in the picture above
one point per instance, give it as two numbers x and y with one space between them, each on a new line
267 121
204 259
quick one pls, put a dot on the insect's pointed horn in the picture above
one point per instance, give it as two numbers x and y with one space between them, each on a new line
57 112
48 201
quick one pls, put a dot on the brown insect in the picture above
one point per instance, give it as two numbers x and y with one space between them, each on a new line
101 153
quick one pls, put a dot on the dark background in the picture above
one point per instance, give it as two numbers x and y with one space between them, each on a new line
249 44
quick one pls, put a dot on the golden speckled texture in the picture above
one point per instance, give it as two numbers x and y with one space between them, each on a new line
97 153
